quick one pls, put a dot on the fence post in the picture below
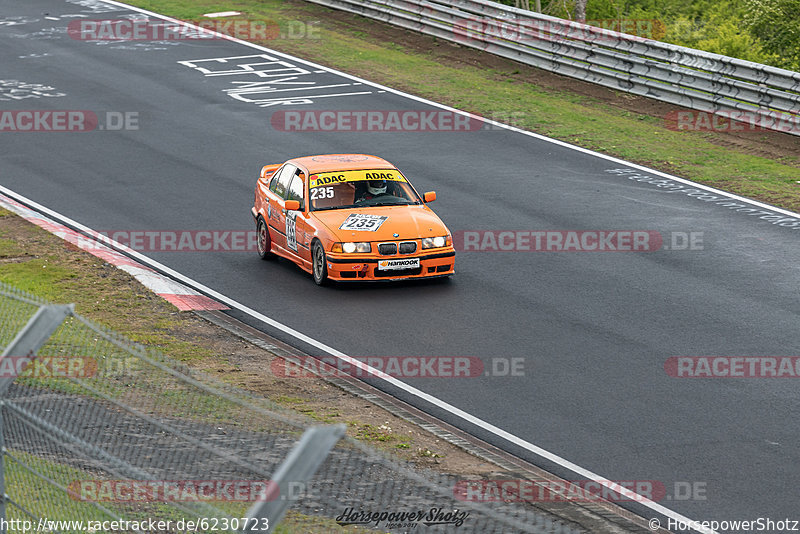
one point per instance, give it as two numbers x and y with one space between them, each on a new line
300 465
24 346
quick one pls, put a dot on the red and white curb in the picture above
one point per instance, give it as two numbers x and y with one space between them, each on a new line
182 297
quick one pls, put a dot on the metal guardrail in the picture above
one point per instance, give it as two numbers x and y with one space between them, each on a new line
765 96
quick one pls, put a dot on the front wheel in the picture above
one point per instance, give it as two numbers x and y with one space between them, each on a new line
264 241
320 269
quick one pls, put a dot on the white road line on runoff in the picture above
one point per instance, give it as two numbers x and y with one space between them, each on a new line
464 113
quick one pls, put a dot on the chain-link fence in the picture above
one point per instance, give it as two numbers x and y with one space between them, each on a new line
99 429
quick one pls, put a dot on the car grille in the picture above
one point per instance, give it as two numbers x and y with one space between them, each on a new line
386 249
389 249
408 247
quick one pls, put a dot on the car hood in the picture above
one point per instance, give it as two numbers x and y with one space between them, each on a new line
409 222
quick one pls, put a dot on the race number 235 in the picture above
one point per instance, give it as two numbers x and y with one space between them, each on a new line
362 222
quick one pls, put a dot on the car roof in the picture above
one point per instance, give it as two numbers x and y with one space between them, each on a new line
341 162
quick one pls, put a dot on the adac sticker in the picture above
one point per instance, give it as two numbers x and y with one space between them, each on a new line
328 178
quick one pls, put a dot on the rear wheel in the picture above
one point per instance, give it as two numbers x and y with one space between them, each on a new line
319 267
264 242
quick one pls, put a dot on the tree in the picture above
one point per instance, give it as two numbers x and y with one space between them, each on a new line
580 10
775 24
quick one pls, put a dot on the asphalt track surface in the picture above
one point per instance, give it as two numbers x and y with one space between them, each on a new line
594 329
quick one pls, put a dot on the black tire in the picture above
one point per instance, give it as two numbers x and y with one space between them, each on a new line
319 267
263 240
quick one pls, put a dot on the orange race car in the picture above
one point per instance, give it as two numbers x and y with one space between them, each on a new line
350 217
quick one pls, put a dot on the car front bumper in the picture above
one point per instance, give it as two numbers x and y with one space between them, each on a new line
359 267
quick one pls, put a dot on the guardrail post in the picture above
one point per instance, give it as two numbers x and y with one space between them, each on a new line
300 465
24 346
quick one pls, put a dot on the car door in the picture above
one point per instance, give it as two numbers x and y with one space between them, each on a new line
297 228
275 212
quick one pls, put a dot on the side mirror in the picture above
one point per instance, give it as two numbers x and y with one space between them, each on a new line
291 205
430 196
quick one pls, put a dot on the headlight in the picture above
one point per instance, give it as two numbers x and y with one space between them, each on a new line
351 248
435 242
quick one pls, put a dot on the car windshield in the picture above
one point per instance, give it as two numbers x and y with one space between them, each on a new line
355 189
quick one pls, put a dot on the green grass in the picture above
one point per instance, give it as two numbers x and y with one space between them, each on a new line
354 45
10 248
40 276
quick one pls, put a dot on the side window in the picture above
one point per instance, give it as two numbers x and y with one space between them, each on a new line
295 191
281 181
273 181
